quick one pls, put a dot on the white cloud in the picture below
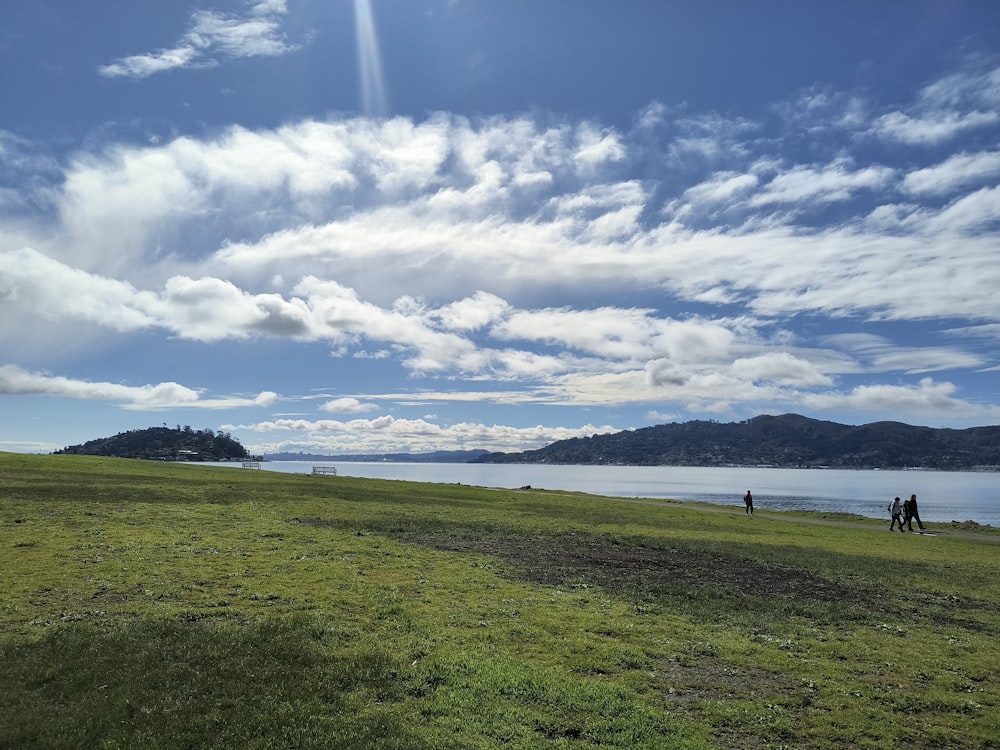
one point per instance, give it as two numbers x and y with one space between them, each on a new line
882 355
265 399
818 110
932 128
616 333
347 405
781 368
204 309
957 103
722 186
212 35
596 148
709 138
927 398
652 115
338 311
968 214
976 85
986 331
52 289
828 183
954 172
15 380
471 313
656 417
385 433
143 66
210 309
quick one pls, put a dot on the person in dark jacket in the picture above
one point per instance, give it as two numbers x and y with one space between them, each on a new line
748 501
911 514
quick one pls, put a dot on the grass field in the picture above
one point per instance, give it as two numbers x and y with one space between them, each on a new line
152 605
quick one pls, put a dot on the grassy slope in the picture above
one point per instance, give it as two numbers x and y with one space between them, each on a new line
162 606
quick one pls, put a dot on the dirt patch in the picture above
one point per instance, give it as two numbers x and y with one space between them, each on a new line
575 558
708 678
632 566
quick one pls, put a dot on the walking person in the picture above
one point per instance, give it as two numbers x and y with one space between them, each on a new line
907 515
748 501
914 514
896 511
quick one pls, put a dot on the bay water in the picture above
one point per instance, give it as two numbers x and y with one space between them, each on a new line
942 496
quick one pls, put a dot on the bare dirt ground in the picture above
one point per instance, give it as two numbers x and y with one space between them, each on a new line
580 558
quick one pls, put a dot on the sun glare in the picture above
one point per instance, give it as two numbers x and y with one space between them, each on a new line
373 97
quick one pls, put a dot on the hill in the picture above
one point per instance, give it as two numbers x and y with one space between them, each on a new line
789 440
164 444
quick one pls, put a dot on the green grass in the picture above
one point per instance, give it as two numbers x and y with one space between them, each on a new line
160 605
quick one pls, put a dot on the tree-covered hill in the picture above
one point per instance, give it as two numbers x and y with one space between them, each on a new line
165 444
789 440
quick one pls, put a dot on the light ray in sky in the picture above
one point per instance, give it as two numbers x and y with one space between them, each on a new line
373 97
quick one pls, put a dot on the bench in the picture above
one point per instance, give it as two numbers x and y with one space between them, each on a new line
325 471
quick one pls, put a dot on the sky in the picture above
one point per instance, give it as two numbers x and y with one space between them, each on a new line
367 226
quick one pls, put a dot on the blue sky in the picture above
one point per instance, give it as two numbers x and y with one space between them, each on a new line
356 226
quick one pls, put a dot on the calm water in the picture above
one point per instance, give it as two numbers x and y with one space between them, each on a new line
943 496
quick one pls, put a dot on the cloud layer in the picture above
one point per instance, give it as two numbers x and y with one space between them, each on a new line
689 265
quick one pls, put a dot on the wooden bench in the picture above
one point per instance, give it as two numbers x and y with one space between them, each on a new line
325 471
251 464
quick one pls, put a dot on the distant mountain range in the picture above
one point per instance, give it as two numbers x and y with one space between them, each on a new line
436 457
789 440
